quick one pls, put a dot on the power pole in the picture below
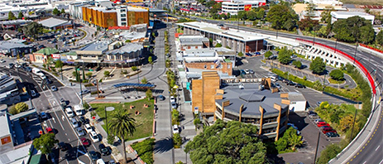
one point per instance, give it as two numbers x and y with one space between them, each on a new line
316 151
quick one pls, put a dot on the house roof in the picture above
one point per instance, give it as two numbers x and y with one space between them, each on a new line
47 51
127 48
53 22
296 96
8 45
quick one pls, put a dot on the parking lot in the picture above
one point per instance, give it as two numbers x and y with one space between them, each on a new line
63 39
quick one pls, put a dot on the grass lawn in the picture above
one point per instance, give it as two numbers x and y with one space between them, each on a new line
332 81
144 121
145 150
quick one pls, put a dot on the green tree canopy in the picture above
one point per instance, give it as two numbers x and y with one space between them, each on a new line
268 54
21 107
318 66
329 153
58 64
122 125
227 142
354 29
284 56
337 74
307 24
56 11
62 11
150 59
281 16
379 37
106 73
11 16
45 143
12 110
149 94
261 13
20 16
144 81
297 64
326 14
32 29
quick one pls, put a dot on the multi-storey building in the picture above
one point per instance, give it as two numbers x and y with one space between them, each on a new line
9 93
234 6
254 103
105 14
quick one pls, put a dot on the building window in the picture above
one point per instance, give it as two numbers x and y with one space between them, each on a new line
211 66
123 23
123 19
122 10
228 66
123 15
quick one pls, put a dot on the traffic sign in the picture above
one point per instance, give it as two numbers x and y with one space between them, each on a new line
40 132
93 117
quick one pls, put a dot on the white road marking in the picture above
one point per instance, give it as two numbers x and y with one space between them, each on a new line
66 134
63 117
377 148
53 119
381 161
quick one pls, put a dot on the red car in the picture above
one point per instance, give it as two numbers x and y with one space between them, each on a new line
326 130
320 124
49 130
85 141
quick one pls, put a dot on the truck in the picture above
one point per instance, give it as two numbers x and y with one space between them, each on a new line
38 72
79 110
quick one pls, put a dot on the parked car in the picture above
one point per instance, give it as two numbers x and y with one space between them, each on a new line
53 88
175 129
277 85
300 86
332 134
88 128
172 99
43 115
319 102
94 155
84 120
80 131
291 83
320 124
85 141
49 130
84 92
312 114
329 129
2 61
174 105
161 97
318 120
93 135
279 78
105 150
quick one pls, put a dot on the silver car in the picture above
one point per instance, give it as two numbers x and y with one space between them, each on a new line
80 131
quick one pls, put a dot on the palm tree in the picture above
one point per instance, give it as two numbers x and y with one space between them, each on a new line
122 125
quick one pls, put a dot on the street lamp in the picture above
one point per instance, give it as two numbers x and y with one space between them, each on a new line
82 101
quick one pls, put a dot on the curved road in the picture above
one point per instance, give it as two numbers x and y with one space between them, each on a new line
372 152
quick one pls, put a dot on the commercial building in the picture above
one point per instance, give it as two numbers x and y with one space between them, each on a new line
104 14
319 7
92 54
15 47
41 55
75 8
234 6
298 102
193 42
6 138
255 103
54 24
124 55
345 14
9 92
24 7
236 40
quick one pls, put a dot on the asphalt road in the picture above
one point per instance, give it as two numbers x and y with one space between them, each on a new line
370 62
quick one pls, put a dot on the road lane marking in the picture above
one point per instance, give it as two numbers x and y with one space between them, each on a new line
377 148
66 134
53 119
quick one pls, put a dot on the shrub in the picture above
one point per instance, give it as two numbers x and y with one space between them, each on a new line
110 139
12 110
196 121
86 105
145 150
337 74
134 68
177 140
21 107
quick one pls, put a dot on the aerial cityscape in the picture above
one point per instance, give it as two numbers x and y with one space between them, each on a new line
191 81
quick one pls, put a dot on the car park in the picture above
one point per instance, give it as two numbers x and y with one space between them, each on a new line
80 131
105 150
94 137
175 129
277 85
88 128
94 155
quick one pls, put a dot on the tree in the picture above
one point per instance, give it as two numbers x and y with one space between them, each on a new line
45 143
150 59
122 125
56 11
89 75
337 74
144 81
134 68
298 64
32 29
326 14
177 140
106 73
20 16
268 54
21 107
284 56
367 34
240 54
379 38
310 11
227 142
149 94
12 110
317 65
278 15
261 13
11 16
242 15
307 24
353 29
251 15
58 64
329 153
62 11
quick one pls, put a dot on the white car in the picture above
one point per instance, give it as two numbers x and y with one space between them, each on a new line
69 112
172 99
94 137
175 129
88 128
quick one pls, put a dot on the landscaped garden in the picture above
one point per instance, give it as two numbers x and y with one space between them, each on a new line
145 150
141 113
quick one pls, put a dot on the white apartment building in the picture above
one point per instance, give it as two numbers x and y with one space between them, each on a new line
345 14
234 6
320 6
122 19
75 8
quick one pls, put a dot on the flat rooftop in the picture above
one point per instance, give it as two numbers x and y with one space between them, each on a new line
4 128
230 33
347 13
251 97
96 46
127 48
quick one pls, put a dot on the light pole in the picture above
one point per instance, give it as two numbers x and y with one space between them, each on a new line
316 151
82 101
